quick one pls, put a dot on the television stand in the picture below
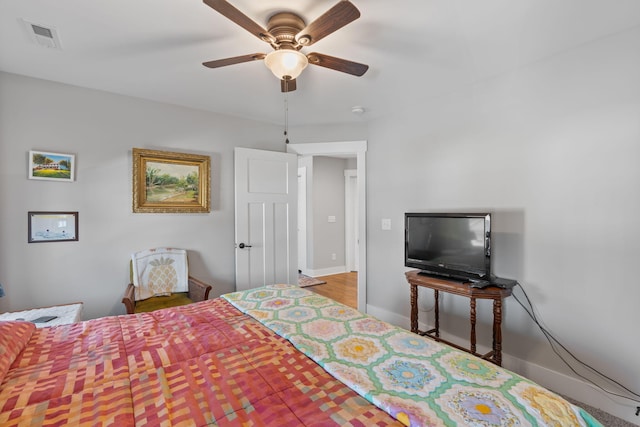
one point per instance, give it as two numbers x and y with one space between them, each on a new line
465 289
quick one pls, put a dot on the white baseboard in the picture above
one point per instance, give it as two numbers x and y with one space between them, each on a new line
326 271
553 380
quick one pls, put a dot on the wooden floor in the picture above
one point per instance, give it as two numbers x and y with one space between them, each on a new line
340 287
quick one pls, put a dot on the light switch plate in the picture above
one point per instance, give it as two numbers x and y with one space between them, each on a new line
386 224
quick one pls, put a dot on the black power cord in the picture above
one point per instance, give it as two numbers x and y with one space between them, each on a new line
554 343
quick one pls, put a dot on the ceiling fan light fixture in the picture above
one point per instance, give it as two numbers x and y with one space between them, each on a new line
286 63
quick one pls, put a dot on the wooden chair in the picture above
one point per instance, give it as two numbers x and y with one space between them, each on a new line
159 278
198 291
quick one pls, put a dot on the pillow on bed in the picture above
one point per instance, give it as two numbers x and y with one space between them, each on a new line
13 338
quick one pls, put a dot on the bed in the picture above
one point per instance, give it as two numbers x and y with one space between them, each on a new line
278 356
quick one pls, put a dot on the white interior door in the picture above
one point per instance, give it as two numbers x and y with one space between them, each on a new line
266 217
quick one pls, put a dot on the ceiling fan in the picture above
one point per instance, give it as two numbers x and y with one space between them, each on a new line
287 33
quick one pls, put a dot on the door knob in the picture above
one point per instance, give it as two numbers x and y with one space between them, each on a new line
242 246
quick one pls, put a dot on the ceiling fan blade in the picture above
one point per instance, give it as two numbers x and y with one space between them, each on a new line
235 60
288 85
337 64
333 19
227 10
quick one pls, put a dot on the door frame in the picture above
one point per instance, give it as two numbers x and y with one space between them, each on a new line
302 219
359 149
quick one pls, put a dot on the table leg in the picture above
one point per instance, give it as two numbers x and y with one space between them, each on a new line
436 312
414 309
472 317
497 331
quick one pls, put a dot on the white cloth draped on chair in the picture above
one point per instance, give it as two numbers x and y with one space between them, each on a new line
159 271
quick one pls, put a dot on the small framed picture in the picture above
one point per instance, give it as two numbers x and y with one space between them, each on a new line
52 227
51 166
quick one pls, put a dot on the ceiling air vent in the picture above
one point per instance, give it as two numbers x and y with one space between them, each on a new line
42 35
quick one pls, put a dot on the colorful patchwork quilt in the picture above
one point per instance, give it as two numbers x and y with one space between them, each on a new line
195 365
305 361
418 381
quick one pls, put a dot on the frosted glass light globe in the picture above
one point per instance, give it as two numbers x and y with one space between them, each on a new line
286 63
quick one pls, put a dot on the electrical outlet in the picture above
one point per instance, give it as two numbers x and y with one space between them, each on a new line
333 257
386 224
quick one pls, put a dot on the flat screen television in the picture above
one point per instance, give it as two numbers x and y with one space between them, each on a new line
455 245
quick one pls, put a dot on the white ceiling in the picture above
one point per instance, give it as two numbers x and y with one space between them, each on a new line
416 49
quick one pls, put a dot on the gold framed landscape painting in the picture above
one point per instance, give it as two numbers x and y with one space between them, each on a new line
169 182
51 166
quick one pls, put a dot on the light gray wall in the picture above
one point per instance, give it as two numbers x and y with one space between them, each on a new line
328 200
335 133
101 129
553 150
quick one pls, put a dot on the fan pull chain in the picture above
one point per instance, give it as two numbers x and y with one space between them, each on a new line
286 111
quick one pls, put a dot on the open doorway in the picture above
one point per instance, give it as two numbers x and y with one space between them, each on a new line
327 201
354 150
327 237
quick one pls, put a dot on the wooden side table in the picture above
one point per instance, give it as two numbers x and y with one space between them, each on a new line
65 314
494 293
